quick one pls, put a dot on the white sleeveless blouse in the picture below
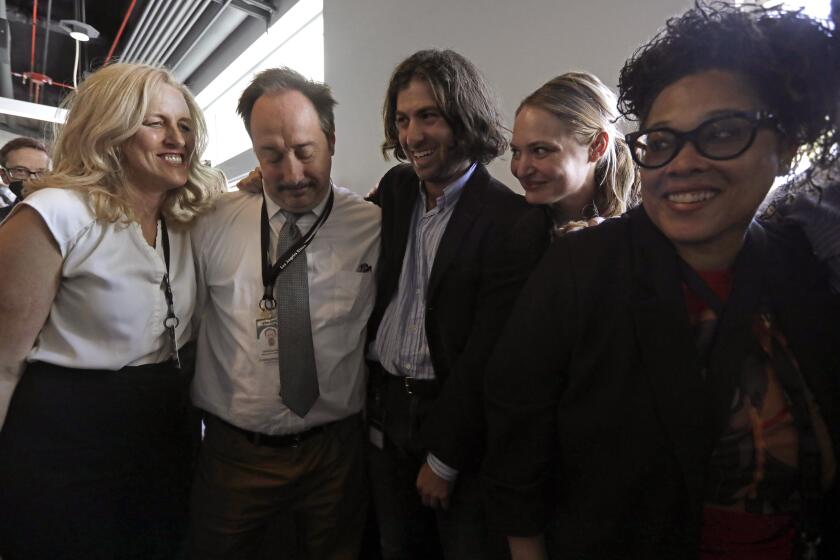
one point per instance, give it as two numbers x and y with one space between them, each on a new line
110 306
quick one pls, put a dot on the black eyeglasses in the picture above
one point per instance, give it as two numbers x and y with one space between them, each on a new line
22 173
720 138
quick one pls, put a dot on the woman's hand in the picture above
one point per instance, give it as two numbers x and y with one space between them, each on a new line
29 279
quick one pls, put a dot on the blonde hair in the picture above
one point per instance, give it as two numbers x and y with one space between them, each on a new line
105 111
587 107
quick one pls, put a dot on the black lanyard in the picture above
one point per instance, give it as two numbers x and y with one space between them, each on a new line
706 337
271 272
171 321
700 289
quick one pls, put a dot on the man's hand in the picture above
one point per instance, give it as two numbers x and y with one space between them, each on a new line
434 491
252 182
527 548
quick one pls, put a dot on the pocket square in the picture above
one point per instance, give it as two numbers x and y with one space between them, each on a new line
364 267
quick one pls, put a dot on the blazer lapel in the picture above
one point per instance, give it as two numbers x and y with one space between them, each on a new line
667 347
467 210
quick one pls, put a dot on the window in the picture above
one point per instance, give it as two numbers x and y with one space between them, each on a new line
819 9
296 40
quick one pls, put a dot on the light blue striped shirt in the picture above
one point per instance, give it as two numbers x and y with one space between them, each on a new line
401 345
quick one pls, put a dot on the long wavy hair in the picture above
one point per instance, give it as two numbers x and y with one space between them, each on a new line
105 111
463 97
587 107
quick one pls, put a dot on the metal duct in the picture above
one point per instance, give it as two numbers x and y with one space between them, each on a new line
157 26
183 32
176 30
168 32
141 30
205 44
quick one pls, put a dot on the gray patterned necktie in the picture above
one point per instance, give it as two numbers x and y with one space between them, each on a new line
298 374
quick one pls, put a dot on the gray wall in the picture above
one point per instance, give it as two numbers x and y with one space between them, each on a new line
517 44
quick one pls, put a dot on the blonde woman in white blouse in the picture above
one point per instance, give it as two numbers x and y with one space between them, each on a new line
97 292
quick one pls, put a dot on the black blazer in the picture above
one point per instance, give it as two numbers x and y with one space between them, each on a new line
491 243
600 422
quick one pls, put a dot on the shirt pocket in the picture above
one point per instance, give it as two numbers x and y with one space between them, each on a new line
352 295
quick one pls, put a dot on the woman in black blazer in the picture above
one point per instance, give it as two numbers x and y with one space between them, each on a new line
668 385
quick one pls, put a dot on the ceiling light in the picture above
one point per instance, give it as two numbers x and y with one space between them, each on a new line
78 30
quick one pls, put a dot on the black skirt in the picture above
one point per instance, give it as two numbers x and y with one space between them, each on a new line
96 464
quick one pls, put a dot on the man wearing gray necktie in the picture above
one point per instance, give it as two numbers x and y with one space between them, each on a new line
296 355
286 285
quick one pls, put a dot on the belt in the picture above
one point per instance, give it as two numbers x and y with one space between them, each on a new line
414 386
379 376
285 440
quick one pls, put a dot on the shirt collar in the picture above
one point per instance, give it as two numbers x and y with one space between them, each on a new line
272 208
452 192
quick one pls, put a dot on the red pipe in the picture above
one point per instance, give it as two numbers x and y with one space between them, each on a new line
34 27
36 78
120 32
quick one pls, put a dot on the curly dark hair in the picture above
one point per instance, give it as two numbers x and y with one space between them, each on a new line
791 61
466 101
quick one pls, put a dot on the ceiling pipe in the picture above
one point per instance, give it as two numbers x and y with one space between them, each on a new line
120 32
32 89
34 28
171 30
182 31
6 89
46 38
142 28
151 31
201 35
157 28
182 34
26 76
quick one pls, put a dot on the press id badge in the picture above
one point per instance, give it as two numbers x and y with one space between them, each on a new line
267 338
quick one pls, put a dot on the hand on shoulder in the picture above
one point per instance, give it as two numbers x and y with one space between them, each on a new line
252 182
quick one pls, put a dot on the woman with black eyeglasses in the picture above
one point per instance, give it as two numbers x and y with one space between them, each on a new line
668 385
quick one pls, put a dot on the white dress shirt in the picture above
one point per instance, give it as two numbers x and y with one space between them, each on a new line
110 306
231 380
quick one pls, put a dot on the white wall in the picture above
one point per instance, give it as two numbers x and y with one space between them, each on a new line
6 136
517 44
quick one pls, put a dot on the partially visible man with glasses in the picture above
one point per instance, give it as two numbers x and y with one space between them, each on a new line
21 159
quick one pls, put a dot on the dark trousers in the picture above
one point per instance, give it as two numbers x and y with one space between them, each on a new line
96 464
241 490
408 529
